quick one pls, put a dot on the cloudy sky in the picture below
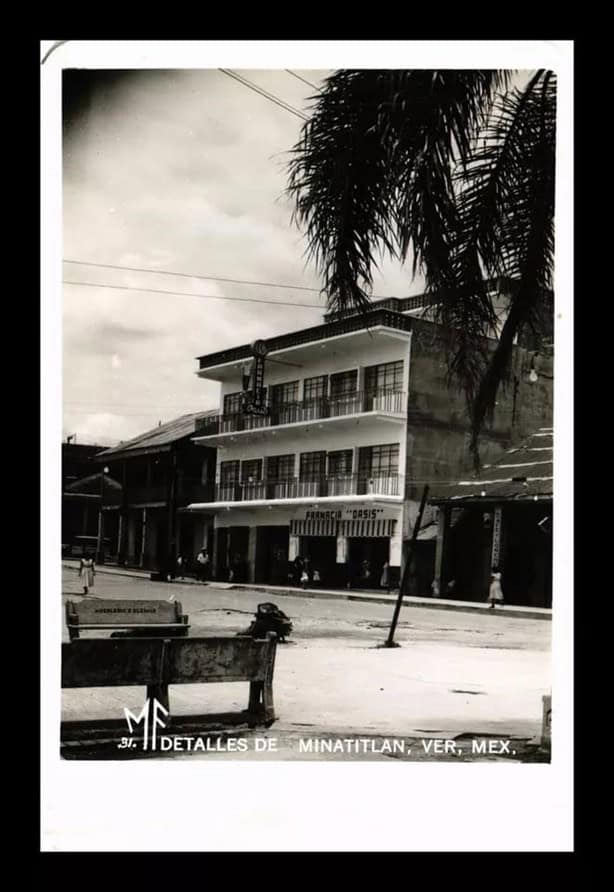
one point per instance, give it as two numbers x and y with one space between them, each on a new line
180 170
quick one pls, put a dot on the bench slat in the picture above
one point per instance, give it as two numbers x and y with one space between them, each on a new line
120 612
128 625
109 662
112 662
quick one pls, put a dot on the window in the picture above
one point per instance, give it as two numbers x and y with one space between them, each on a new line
233 403
313 465
281 394
315 388
280 467
229 472
251 470
379 461
340 463
387 376
343 383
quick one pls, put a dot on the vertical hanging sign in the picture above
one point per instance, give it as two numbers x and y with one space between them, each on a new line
254 401
495 558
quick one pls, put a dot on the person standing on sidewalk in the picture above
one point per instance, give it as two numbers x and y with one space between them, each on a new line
495 593
87 571
385 577
202 559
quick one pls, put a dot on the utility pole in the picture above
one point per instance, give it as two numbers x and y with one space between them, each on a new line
414 536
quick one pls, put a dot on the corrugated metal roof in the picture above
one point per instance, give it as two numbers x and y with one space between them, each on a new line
524 472
161 436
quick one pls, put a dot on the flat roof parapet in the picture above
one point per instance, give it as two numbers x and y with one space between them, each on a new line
358 322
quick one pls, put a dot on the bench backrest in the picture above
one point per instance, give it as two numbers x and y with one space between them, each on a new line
160 661
123 613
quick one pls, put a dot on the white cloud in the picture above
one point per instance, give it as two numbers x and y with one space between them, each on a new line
178 170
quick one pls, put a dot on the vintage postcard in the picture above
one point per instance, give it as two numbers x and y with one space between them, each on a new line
310 424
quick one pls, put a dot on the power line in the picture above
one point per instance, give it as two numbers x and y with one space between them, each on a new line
152 414
298 77
270 96
249 300
168 272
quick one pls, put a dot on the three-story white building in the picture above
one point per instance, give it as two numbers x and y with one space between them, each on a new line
357 414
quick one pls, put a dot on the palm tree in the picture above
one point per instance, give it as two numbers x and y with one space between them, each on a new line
452 168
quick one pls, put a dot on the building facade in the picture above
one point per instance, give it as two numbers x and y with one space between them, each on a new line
160 472
500 519
82 486
358 416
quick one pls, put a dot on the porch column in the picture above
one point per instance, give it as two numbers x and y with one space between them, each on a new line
251 554
442 529
214 557
342 561
120 533
143 536
293 547
496 554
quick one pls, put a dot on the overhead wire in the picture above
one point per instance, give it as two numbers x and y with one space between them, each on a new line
270 96
169 272
304 80
249 300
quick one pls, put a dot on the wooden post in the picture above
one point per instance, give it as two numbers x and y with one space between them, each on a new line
171 507
143 536
267 691
496 549
442 530
408 557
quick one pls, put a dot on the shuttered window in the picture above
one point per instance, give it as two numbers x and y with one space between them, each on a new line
313 465
340 463
386 376
280 467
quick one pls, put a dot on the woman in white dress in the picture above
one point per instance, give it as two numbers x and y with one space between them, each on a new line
495 593
87 571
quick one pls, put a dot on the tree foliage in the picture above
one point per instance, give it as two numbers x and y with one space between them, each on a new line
453 169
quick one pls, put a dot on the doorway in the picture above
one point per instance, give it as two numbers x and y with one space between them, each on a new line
366 559
321 554
272 555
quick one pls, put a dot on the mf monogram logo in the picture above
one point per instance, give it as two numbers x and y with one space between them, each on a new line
152 716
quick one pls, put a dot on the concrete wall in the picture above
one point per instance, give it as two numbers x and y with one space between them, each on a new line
438 426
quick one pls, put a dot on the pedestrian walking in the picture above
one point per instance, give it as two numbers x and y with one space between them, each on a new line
180 567
87 571
202 565
298 569
365 569
385 577
495 592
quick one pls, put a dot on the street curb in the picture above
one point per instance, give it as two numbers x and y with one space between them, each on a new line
408 601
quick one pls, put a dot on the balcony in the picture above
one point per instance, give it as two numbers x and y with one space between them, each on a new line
356 331
297 489
379 404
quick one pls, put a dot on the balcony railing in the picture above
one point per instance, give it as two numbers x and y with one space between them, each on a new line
295 488
384 400
358 322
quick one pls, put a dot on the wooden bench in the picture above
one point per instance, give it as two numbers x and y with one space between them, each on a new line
157 663
142 617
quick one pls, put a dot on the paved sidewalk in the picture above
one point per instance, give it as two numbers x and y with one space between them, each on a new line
374 597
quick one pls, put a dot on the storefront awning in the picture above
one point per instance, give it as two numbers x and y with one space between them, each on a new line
360 529
313 527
